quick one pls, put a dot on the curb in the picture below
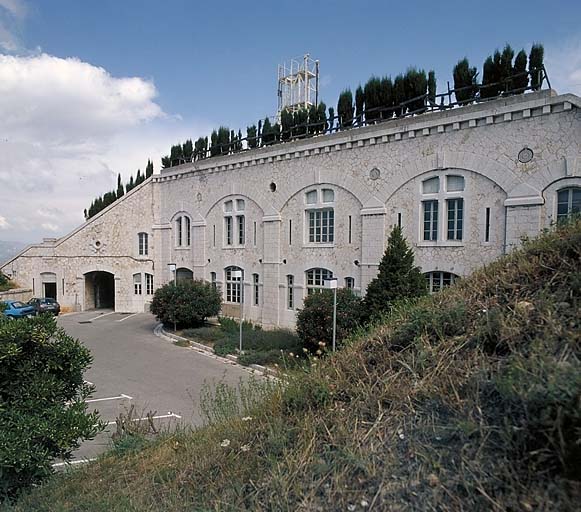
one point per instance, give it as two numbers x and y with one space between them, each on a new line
229 358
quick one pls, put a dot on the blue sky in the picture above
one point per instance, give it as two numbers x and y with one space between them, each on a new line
92 89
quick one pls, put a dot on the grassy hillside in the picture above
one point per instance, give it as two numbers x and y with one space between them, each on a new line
468 400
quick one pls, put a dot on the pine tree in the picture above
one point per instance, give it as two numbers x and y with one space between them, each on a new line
536 66
398 278
465 82
520 80
345 109
359 105
120 189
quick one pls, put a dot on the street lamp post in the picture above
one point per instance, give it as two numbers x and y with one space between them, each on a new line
239 274
332 285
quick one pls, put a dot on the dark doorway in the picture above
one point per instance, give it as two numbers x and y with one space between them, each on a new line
184 275
99 290
49 290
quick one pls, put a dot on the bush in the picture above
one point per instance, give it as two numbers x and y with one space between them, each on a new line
43 414
186 304
315 320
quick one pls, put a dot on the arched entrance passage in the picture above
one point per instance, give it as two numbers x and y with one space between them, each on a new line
99 290
184 275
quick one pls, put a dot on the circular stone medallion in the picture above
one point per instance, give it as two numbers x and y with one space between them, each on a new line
525 155
375 173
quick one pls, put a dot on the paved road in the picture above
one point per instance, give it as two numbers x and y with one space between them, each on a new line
132 366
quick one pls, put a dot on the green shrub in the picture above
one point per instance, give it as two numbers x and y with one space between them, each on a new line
43 414
260 357
226 345
203 333
315 320
229 325
186 304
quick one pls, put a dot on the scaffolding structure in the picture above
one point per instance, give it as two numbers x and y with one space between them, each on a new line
298 84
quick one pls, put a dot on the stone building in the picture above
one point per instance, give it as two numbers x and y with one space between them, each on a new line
464 184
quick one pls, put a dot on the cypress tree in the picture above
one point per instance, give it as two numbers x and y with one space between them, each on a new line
259 134
372 92
416 85
359 105
312 120
432 87
386 96
251 138
286 120
520 79
275 131
331 121
345 109
130 185
120 189
465 80
165 162
266 132
232 141
506 68
535 65
139 179
321 117
399 95
398 278
214 150
149 168
187 150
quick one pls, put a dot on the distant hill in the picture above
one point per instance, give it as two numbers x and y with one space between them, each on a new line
9 249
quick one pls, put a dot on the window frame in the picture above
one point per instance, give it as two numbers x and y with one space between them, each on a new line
317 281
149 288
137 284
143 243
234 286
290 297
183 231
442 277
319 217
235 223
572 208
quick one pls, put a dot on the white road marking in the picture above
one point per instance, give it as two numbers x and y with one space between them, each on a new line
125 318
101 316
72 462
161 417
120 397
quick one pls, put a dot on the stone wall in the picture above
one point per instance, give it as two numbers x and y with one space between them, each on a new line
376 174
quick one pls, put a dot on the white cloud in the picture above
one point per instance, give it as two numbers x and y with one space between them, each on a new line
3 223
67 128
563 63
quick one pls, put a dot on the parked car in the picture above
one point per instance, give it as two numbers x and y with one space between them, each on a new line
45 305
16 309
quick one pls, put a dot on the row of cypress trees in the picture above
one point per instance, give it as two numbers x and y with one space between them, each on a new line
101 202
379 99
502 73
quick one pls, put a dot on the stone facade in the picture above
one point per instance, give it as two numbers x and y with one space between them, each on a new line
377 177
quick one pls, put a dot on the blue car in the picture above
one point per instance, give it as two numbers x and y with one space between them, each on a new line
16 309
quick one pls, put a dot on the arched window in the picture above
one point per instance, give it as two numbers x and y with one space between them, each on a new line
148 284
568 202
316 278
143 242
233 284
320 215
437 280
350 283
183 231
234 222
184 275
137 284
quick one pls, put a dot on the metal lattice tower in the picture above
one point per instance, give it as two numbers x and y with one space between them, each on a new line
298 84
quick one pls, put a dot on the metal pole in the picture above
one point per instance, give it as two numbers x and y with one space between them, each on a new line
334 317
241 308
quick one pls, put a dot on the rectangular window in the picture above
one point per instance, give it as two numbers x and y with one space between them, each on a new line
290 232
430 220
188 230
254 235
350 228
349 283
213 280
214 242
399 220
148 284
228 228
137 284
143 244
256 289
290 301
321 226
241 229
487 227
455 218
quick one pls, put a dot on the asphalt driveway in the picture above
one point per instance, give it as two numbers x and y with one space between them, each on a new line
134 367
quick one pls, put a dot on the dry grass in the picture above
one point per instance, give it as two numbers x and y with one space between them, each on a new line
467 400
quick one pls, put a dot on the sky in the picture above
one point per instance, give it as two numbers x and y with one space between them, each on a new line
92 89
